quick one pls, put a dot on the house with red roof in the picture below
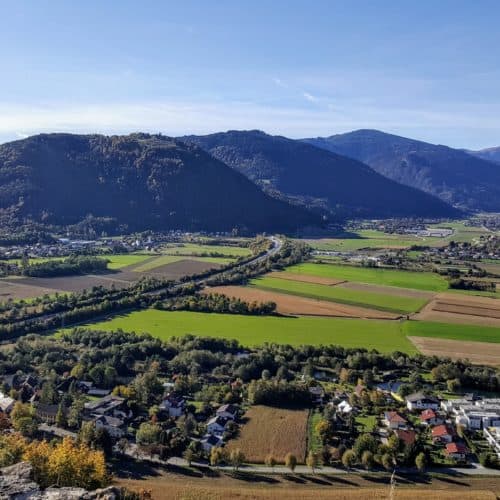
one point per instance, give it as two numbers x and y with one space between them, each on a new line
442 434
457 451
408 436
430 417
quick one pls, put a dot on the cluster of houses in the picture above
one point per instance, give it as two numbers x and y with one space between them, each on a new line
217 426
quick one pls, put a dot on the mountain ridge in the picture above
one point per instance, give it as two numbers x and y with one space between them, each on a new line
142 181
453 175
297 170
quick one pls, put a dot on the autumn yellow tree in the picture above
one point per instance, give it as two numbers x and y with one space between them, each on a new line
67 463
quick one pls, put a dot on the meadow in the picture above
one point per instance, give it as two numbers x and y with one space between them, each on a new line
370 238
383 335
194 249
393 303
451 331
378 276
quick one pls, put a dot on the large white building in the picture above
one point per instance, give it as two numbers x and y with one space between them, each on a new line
474 415
492 435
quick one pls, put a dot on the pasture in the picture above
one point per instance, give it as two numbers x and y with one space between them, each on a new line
206 250
383 335
389 277
162 260
275 431
392 303
451 331
372 238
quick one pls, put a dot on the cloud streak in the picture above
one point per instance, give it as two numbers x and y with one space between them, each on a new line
178 118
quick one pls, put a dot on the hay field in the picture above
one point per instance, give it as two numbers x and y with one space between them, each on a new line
295 305
483 353
272 430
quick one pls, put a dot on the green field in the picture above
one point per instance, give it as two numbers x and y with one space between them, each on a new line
377 276
118 261
471 333
369 238
192 249
169 259
393 303
385 336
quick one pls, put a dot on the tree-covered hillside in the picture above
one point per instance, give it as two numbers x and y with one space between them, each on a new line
140 181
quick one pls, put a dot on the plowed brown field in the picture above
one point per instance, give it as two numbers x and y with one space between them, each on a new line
464 309
484 353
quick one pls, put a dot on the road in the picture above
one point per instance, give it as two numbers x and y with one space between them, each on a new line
472 470
275 248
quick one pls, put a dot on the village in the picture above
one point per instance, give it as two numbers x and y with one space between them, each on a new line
371 421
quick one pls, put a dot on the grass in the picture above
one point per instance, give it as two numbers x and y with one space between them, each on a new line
377 276
451 331
366 423
383 335
163 260
117 261
393 303
314 442
368 238
192 249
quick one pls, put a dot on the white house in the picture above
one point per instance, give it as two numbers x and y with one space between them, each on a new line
114 426
344 407
217 425
174 406
6 403
419 401
209 441
228 411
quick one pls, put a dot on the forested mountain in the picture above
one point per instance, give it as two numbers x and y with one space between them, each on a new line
454 175
490 154
285 167
139 180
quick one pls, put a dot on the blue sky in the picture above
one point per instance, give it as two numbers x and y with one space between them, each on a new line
426 69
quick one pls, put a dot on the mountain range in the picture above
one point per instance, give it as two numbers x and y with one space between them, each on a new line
244 180
317 178
139 180
490 154
455 176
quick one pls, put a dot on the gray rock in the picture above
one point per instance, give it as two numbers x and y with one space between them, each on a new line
16 484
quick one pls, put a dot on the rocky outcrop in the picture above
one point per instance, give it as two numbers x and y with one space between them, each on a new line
16 484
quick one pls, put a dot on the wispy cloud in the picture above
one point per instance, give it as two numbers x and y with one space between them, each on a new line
279 83
309 97
178 118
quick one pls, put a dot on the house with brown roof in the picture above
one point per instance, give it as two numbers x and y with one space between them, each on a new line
393 420
408 436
